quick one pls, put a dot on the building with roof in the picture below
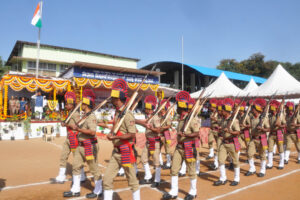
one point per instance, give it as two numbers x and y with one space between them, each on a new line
54 60
197 77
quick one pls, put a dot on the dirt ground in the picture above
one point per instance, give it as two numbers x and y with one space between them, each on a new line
27 165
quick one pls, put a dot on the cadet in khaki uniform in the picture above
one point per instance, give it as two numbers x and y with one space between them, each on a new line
70 99
244 126
182 171
216 126
273 139
213 133
258 136
87 149
228 145
152 146
185 149
165 133
293 123
123 153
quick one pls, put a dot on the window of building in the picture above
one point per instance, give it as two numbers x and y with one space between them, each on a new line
42 66
63 68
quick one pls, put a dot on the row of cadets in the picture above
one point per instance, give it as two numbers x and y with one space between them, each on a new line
185 149
123 154
87 149
71 142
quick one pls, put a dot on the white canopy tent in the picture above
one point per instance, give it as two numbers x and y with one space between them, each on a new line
250 86
280 82
222 87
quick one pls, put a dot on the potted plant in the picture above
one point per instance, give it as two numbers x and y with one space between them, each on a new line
38 131
11 127
57 130
0 132
27 128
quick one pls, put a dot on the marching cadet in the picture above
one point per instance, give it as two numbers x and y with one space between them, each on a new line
213 133
244 125
71 141
152 146
87 149
258 137
185 149
123 152
165 133
276 135
182 171
229 145
293 131
216 129
159 94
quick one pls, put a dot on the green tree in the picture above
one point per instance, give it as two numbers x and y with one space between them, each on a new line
256 65
3 68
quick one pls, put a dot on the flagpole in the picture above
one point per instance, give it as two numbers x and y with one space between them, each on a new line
182 67
38 46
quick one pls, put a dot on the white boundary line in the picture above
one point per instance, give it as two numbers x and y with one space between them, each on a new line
255 184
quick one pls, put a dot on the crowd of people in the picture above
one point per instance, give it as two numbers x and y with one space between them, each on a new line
258 125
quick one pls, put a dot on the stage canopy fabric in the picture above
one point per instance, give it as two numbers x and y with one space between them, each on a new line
280 82
222 87
250 86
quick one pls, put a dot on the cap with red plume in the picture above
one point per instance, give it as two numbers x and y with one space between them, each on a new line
70 97
259 104
191 103
183 99
237 102
119 89
243 105
88 97
167 104
274 104
290 105
213 103
220 104
150 102
228 104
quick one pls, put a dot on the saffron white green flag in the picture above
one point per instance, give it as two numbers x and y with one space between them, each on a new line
37 17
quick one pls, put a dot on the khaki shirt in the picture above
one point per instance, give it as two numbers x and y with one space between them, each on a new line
193 128
247 120
213 122
155 123
74 119
272 121
289 121
168 122
224 124
89 124
127 126
254 123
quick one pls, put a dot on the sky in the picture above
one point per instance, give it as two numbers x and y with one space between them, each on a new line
152 30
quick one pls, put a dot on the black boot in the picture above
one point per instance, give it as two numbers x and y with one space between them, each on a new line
71 194
145 181
219 182
249 173
190 197
167 196
234 183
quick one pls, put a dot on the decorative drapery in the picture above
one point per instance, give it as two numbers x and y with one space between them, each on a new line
17 83
95 83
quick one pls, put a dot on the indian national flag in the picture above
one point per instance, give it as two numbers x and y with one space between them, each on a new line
37 17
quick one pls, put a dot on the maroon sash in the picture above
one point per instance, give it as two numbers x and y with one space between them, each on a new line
247 135
298 134
237 144
264 142
188 151
88 148
126 151
72 139
279 136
